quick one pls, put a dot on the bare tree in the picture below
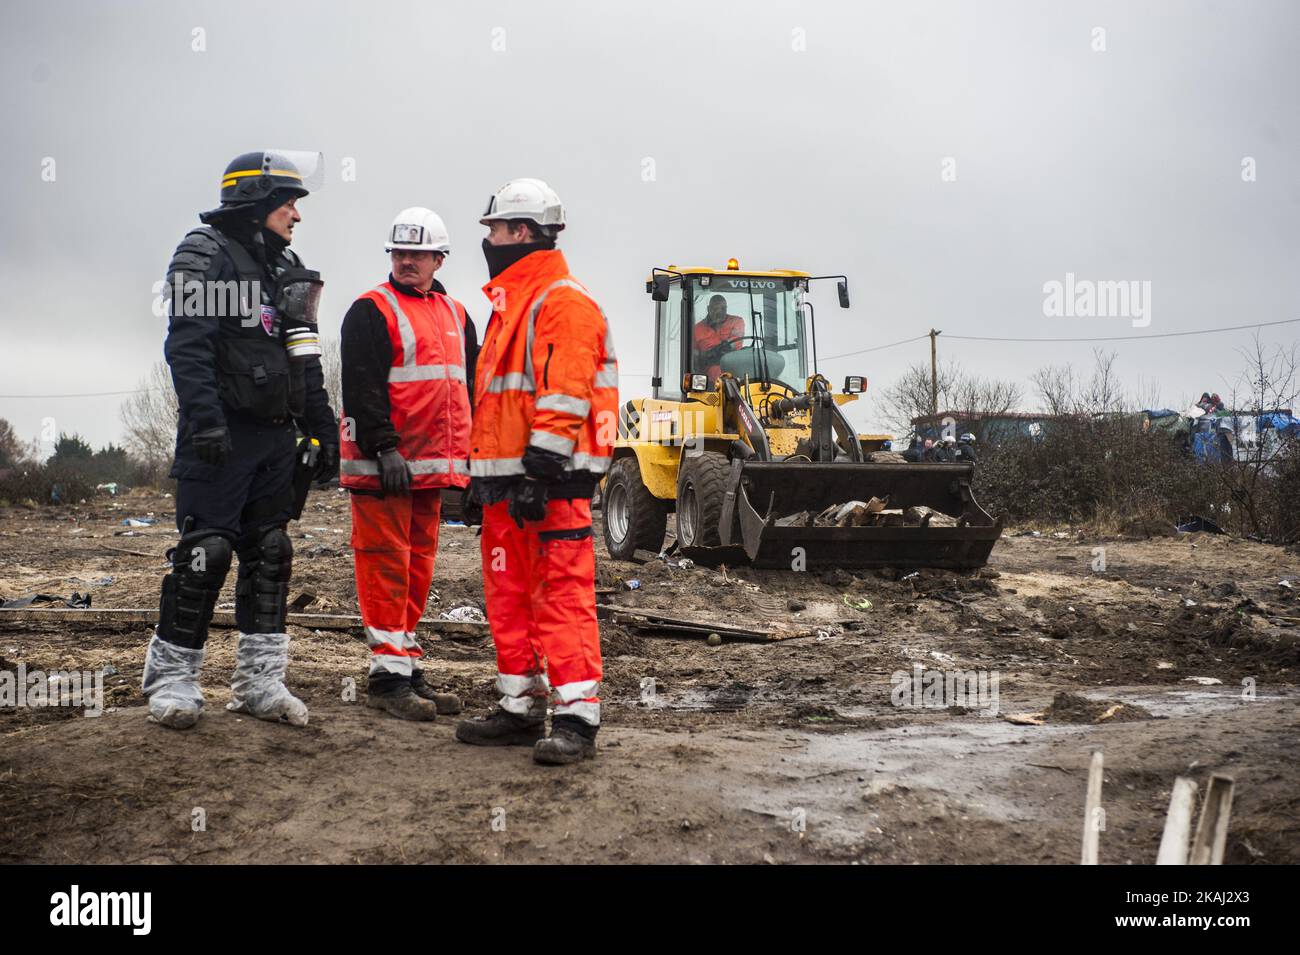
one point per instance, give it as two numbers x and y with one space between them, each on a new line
149 417
1270 382
959 391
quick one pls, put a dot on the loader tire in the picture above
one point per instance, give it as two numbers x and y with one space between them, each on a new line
701 486
633 517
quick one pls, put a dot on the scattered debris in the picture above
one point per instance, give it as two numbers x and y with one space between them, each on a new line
1203 680
139 521
1199 525
632 584
466 614
77 601
857 604
1073 708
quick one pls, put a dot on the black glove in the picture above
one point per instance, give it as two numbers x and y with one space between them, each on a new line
527 502
212 445
327 463
394 472
471 512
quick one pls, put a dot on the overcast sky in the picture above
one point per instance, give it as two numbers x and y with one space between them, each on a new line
816 136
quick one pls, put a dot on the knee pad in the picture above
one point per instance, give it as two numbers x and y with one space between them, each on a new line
200 562
262 590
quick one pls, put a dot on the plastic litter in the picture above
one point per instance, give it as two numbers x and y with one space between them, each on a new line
77 601
632 585
1199 525
857 603
139 521
466 614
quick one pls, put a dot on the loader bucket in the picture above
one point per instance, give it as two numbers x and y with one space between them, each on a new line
772 490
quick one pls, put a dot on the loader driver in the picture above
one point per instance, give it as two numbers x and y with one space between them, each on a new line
246 370
716 334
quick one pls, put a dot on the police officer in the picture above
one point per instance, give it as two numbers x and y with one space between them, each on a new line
244 353
966 449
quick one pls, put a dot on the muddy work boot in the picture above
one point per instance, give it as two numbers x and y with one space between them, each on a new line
448 704
401 701
171 682
572 740
257 685
502 728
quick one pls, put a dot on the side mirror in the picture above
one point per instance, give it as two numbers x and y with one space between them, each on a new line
843 288
855 385
659 288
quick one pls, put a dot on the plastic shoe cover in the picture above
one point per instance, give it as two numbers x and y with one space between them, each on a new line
257 686
171 681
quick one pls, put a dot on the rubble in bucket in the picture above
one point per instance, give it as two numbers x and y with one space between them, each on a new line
873 513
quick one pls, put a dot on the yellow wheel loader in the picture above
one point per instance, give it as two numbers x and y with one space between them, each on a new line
753 452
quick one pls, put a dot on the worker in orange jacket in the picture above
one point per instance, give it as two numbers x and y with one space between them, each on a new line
545 422
407 350
717 334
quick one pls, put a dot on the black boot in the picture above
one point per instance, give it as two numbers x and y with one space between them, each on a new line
401 701
502 728
572 740
448 704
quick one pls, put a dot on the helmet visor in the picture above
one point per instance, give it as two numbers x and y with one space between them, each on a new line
305 166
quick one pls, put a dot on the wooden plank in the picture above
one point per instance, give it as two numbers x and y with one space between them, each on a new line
1212 829
220 618
1092 812
658 624
1178 824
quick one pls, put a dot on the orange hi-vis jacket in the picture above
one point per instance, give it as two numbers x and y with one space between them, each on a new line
547 374
427 392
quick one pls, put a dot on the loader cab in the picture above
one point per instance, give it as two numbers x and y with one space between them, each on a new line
709 321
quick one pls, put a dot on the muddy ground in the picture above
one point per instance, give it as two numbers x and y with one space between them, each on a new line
788 751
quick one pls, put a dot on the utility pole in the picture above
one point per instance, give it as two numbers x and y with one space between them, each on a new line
934 371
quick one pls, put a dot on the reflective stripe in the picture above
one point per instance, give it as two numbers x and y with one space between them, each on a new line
512 684
508 467
582 690
409 370
551 442
511 382
404 329
496 467
417 465
426 373
566 403
607 377
595 463
398 666
584 710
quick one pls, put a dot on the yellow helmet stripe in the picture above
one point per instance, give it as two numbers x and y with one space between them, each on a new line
228 179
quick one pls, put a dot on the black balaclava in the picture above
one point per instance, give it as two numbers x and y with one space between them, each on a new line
501 257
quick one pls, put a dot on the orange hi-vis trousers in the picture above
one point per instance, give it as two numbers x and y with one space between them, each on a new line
394 541
540 587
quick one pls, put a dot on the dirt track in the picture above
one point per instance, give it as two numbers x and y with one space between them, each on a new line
785 752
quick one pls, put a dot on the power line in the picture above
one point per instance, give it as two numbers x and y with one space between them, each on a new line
863 351
1122 338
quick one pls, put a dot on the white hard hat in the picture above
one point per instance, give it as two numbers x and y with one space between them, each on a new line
529 199
418 230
